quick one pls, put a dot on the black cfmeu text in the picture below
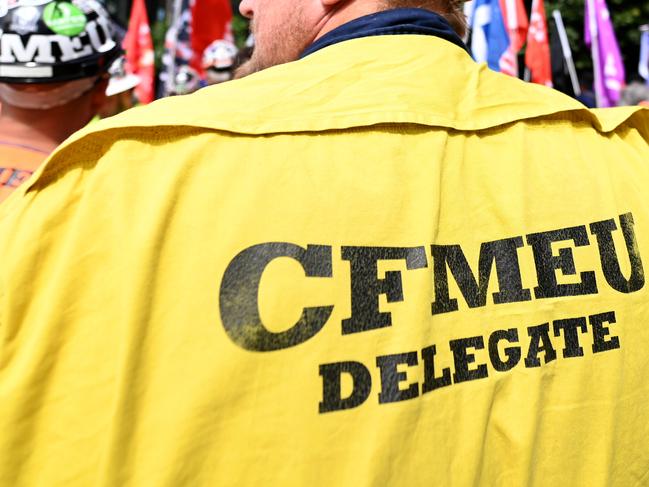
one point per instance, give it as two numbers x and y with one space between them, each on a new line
552 253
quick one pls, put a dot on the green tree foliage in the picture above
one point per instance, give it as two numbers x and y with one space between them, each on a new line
627 15
158 31
239 24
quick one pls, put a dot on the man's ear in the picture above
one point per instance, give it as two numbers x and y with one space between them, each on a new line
99 95
332 3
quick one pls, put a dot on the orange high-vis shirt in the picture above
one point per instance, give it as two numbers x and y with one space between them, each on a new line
17 163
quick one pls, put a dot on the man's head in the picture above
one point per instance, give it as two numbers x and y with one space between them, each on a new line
83 95
451 10
219 59
55 53
283 29
635 93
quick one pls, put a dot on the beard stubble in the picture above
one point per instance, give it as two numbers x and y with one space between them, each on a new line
282 47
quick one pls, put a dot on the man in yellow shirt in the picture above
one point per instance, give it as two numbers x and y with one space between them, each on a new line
377 264
54 56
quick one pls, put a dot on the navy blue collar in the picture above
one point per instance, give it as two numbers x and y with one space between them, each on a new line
388 22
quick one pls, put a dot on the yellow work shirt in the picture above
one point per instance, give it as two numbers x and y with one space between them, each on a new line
382 264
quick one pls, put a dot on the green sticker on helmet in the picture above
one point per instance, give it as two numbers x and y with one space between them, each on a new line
64 18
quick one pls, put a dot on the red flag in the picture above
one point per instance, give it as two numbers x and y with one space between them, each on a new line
537 56
138 45
515 18
211 21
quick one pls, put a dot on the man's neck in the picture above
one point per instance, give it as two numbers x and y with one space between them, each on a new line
40 129
344 12
389 22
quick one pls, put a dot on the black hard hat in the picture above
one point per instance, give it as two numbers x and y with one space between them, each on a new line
48 41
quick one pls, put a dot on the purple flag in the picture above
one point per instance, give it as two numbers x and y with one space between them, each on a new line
607 60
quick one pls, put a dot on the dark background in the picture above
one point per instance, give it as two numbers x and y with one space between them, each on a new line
627 15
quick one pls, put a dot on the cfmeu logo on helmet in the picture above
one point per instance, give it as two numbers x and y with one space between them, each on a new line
45 41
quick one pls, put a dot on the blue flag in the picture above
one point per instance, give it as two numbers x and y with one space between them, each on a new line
643 67
489 35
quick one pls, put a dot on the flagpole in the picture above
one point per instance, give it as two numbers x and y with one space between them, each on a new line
468 14
594 49
643 65
567 52
171 69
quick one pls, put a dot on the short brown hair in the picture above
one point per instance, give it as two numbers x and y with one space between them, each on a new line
451 10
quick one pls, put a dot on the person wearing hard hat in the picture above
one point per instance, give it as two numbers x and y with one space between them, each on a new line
373 262
635 93
120 92
186 81
219 61
53 61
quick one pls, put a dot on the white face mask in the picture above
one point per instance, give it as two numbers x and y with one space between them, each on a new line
46 99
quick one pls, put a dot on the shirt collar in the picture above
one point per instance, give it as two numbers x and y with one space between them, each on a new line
389 22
